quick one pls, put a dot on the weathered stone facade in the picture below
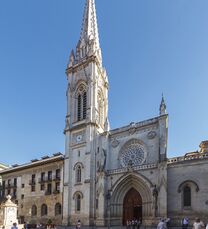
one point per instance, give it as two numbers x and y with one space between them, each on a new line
109 176
36 184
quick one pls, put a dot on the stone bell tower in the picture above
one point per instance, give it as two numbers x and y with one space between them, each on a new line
86 119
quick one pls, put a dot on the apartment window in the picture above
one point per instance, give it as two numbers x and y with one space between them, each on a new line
33 179
58 174
9 183
14 192
22 197
44 210
23 185
58 209
58 186
8 191
42 187
34 210
15 182
33 188
49 175
49 189
42 177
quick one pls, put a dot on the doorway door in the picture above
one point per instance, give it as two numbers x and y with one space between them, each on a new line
132 206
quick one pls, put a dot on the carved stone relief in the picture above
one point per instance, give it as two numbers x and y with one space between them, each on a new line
115 143
151 135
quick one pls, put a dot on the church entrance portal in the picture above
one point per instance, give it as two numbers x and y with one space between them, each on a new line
132 206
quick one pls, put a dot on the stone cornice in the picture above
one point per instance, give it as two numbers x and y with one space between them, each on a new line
137 125
33 164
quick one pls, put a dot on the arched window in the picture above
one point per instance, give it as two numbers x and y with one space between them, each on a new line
58 209
34 210
187 196
78 174
84 105
81 103
79 108
78 196
78 202
44 210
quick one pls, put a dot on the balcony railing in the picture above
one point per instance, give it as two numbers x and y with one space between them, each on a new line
56 192
47 193
56 177
32 182
42 180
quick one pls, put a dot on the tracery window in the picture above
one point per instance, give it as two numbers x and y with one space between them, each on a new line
187 196
133 153
58 209
34 210
44 210
81 103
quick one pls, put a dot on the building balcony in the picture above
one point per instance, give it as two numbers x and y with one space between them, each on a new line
56 178
47 193
32 182
42 180
56 192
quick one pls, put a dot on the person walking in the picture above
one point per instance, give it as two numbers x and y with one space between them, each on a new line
161 224
198 224
185 223
14 226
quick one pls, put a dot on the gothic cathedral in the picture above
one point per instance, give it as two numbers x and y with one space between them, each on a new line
106 169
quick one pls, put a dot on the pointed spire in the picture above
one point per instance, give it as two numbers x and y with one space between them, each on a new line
163 106
89 25
88 43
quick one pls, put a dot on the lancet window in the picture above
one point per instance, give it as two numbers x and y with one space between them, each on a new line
81 103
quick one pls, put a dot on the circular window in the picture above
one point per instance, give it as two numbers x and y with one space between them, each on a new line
132 153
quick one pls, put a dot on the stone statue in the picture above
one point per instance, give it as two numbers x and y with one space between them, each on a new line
102 161
155 199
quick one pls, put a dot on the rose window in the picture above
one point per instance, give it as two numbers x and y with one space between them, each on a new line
132 153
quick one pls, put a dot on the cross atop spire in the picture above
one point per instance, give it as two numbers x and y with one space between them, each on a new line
89 25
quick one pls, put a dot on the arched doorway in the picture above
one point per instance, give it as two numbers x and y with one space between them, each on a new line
132 206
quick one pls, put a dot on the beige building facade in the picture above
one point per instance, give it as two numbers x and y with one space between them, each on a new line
107 177
36 188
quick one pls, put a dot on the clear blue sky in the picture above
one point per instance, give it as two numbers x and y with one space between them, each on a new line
149 47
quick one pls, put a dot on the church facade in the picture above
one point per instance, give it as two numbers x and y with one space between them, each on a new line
119 174
111 176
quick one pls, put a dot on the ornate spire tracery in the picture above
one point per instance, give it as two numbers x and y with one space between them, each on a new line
88 43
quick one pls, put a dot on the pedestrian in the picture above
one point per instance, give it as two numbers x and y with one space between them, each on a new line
185 223
14 226
78 224
138 223
198 224
161 224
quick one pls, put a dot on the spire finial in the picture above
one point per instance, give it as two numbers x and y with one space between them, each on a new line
89 38
89 25
163 106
